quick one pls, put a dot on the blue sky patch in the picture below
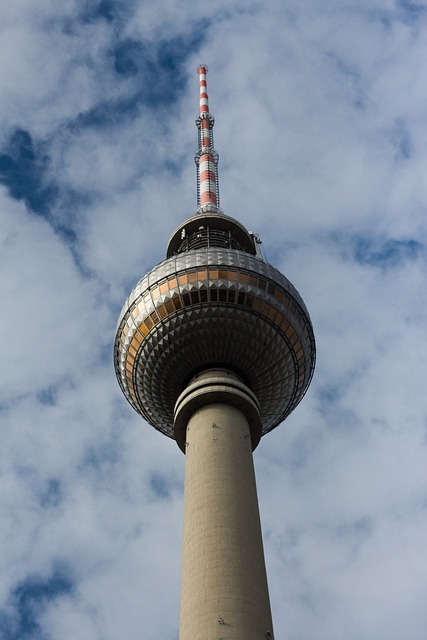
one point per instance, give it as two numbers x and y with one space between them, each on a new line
389 253
103 10
52 496
159 68
24 165
22 169
377 251
161 485
48 396
404 11
401 140
97 458
129 57
331 403
27 602
411 11
362 527
158 74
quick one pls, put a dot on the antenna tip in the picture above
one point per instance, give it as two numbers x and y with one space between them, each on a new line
202 67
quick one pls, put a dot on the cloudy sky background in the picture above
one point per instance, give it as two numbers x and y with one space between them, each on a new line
322 134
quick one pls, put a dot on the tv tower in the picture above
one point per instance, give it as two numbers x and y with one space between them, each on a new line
214 348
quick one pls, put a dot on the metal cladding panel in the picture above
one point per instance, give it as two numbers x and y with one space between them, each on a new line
214 307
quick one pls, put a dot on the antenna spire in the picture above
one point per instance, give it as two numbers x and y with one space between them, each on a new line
206 158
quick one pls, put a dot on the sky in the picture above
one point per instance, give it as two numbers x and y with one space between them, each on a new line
321 127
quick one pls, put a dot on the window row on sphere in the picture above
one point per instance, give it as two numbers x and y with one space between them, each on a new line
214 278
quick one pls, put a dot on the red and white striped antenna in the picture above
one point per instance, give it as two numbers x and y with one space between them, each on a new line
206 158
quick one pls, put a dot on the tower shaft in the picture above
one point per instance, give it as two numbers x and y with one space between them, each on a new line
224 592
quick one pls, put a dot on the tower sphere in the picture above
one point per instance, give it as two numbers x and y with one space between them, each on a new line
215 305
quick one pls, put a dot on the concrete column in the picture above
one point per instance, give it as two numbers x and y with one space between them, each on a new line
224 592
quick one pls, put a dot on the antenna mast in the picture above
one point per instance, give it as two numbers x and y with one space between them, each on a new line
206 158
